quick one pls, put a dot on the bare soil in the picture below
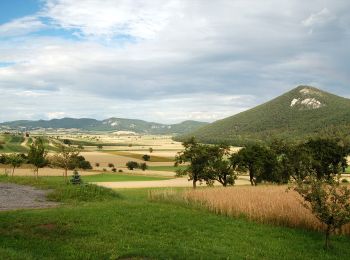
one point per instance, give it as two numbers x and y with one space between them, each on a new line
13 196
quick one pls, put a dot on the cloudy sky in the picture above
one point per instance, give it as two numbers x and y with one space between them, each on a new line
166 61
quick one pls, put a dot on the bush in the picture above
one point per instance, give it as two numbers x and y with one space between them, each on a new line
104 169
110 165
146 157
114 169
132 165
344 181
97 164
86 192
143 166
120 170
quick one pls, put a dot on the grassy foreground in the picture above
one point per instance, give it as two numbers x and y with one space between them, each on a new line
129 226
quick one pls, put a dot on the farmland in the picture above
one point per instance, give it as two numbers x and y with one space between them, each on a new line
132 219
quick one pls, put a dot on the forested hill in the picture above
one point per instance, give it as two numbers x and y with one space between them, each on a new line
110 125
298 114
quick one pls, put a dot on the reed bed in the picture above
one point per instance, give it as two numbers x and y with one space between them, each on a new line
264 204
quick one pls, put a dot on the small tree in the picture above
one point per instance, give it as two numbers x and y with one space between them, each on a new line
76 179
327 200
37 155
65 158
15 160
146 157
131 165
143 166
110 165
100 146
150 150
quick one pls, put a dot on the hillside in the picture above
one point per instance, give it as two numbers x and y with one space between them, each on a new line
109 125
301 113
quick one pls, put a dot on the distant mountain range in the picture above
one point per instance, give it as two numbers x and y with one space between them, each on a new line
109 125
299 114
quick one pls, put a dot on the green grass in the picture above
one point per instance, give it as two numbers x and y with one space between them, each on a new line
166 168
347 169
129 226
139 156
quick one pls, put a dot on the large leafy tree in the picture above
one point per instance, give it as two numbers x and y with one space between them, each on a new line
37 155
328 157
260 162
220 167
196 158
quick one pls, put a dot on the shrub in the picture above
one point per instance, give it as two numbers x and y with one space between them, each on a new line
104 169
85 192
97 164
110 165
146 157
114 169
120 170
132 165
344 181
143 166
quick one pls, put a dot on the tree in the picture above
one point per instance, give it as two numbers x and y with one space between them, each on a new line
259 161
131 165
220 167
327 200
37 155
65 158
328 157
146 157
99 146
150 150
15 160
197 157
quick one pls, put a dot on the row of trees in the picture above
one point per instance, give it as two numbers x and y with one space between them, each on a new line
67 158
279 162
312 168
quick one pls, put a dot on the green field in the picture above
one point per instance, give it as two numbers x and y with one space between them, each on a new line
12 143
126 225
166 168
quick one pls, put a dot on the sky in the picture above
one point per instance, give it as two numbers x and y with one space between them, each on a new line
166 60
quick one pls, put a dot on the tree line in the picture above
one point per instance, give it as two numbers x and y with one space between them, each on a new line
67 158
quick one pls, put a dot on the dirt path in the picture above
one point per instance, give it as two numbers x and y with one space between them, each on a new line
178 182
13 196
24 143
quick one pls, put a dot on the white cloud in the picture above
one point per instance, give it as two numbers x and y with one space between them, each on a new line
21 26
193 59
108 18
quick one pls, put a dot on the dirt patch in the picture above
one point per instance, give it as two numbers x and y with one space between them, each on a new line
13 196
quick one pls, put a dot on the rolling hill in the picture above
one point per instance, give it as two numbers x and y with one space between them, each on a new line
298 114
109 125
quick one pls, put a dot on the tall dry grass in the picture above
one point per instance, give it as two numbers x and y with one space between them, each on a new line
265 204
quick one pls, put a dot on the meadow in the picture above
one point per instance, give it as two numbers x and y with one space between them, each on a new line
125 224
94 222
